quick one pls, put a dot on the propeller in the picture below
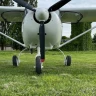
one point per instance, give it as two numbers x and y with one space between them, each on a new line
46 16
58 5
42 40
25 4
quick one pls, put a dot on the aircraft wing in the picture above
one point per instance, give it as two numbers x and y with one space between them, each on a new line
73 15
11 14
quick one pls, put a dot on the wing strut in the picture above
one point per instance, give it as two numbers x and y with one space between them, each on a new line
12 39
77 36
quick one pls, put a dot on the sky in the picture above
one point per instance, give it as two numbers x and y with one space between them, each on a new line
72 3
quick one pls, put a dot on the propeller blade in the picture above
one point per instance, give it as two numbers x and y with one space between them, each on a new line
25 4
42 40
58 5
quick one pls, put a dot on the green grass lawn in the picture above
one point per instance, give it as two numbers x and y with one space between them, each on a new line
56 80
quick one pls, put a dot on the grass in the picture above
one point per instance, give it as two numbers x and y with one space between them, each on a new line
56 79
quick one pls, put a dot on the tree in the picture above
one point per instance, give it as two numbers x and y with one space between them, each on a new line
84 42
32 2
4 25
15 32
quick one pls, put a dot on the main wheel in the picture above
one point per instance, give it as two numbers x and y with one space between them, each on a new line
38 65
15 61
68 61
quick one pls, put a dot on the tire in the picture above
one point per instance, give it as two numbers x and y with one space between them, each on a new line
68 61
15 61
38 65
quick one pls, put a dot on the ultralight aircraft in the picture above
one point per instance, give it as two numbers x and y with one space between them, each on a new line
42 28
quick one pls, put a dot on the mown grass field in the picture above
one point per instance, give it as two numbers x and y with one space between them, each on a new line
56 80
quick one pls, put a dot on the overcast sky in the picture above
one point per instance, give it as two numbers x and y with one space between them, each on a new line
84 3
72 3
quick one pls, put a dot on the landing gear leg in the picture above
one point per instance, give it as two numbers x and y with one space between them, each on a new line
38 62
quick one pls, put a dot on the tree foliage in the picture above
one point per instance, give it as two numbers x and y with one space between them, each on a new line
82 43
6 2
4 25
32 2
15 32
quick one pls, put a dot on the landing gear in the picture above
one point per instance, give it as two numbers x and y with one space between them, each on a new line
38 65
68 61
15 61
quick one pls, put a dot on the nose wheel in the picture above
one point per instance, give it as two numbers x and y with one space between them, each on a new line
38 65
68 61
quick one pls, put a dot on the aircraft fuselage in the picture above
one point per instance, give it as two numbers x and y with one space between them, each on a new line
53 30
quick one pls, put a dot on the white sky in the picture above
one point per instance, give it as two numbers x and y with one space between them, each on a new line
72 3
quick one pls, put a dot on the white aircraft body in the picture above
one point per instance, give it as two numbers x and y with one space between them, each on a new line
42 28
31 34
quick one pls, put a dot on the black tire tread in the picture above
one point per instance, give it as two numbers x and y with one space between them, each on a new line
14 60
38 65
68 60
